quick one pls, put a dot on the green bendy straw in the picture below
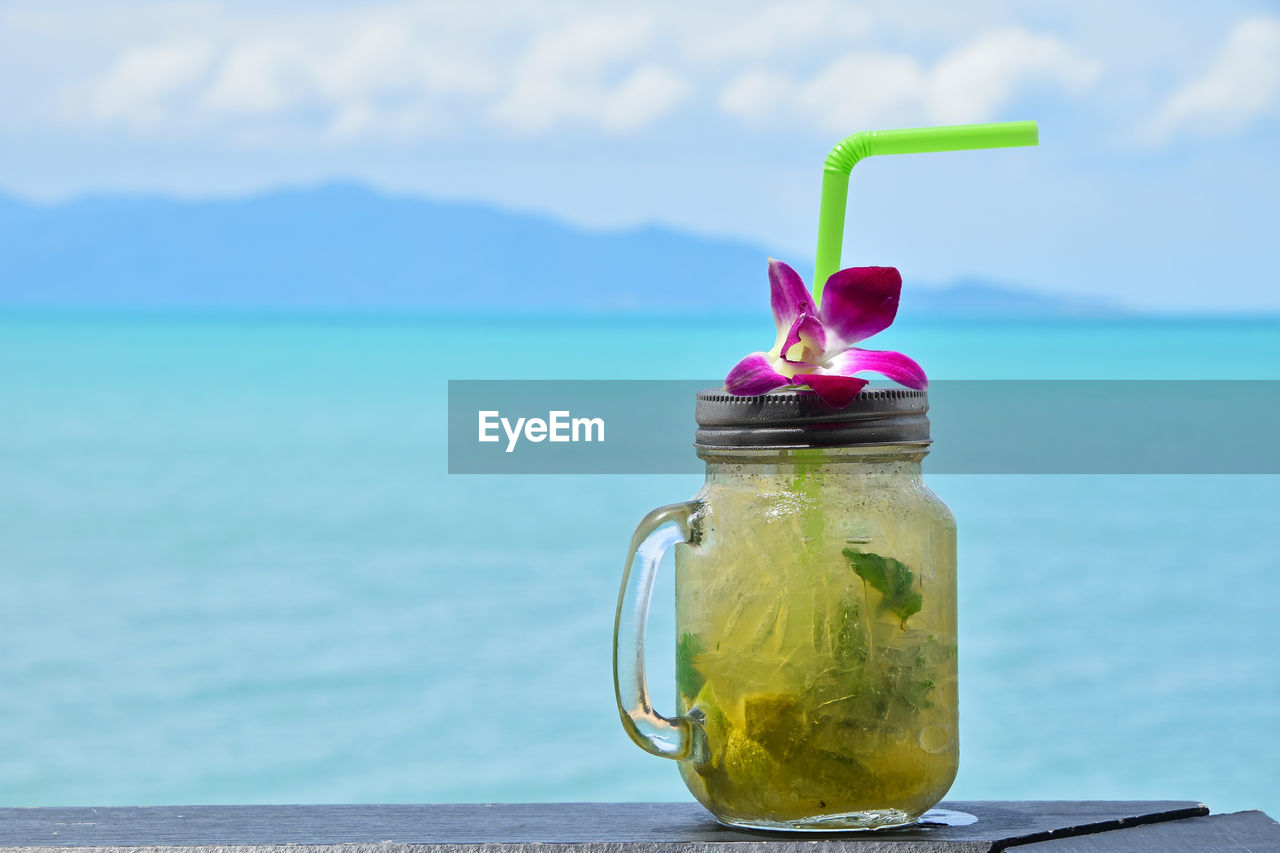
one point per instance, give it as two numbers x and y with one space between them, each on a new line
916 140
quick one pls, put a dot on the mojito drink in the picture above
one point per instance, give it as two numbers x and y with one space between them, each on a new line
816 641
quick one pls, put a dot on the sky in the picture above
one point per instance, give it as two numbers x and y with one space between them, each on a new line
1155 184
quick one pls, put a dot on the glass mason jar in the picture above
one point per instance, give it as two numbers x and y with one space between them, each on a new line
815 616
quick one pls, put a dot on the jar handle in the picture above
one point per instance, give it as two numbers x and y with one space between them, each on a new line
670 737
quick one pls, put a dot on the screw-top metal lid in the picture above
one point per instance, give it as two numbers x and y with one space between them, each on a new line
794 418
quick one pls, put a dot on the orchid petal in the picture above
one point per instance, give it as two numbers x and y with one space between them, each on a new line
859 301
837 391
898 367
807 329
788 295
754 375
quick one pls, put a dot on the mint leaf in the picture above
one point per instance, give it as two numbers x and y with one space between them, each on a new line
892 579
688 680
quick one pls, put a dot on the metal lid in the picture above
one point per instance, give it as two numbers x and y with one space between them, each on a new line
795 418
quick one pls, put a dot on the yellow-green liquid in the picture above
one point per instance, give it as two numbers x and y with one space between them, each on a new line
825 703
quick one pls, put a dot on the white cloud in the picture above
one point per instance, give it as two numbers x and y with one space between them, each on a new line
865 88
1241 85
645 95
388 76
144 83
404 70
405 124
262 77
572 74
755 94
978 79
778 29
397 71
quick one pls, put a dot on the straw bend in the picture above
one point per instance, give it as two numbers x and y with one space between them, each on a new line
849 151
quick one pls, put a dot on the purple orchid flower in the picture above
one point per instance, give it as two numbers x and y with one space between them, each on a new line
815 346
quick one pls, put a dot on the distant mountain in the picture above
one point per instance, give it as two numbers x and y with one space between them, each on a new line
346 247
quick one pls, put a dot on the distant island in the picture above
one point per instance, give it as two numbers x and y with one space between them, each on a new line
342 247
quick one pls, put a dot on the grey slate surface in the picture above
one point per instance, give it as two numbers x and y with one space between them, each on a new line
532 827
1242 832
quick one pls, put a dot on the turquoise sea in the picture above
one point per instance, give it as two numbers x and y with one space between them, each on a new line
235 570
